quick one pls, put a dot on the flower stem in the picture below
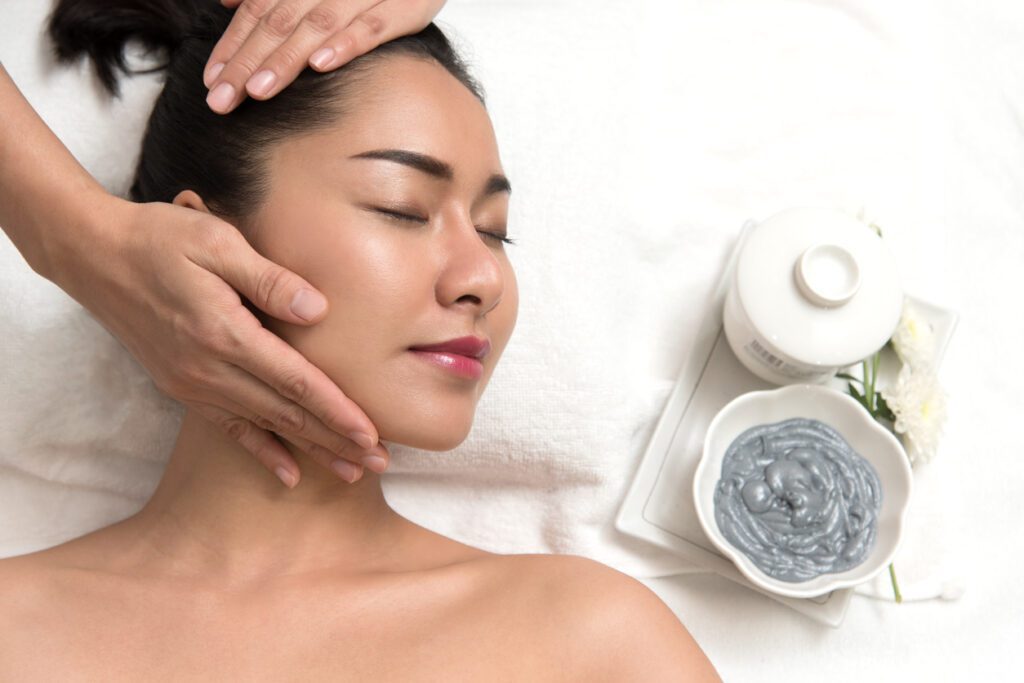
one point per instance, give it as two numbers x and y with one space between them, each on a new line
869 367
895 584
875 362
869 387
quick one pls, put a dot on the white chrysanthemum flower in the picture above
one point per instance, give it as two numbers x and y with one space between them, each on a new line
919 404
914 339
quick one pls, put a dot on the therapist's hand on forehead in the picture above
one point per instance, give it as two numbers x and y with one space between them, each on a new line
269 42
166 280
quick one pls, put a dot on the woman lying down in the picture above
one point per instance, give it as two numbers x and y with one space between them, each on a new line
381 184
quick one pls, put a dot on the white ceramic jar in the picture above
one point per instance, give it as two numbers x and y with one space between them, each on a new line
814 290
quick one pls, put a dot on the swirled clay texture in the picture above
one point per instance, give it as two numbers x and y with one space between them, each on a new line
797 500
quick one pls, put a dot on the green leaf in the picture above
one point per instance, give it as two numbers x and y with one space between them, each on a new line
843 375
884 411
858 396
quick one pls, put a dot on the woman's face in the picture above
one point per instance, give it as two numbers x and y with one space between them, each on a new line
395 214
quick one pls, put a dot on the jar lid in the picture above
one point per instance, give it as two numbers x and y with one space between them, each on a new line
820 285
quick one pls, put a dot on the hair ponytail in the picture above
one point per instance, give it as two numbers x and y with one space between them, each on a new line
100 29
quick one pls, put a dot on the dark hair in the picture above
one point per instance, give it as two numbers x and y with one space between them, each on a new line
187 146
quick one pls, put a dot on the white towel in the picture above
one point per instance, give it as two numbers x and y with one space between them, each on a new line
624 210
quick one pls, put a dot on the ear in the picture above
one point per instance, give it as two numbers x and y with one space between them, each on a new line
190 200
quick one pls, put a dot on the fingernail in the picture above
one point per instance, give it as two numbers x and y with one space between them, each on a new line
261 83
365 441
308 304
287 477
221 97
375 463
212 74
322 58
347 470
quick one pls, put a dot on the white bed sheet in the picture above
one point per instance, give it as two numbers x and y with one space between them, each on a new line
639 136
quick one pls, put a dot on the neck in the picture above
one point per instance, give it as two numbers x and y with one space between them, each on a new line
220 515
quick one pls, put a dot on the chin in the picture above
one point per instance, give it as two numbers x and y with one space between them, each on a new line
414 409
438 444
437 429
426 437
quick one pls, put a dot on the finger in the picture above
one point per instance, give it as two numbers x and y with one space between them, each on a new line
347 461
277 364
231 3
242 23
379 24
251 437
347 470
266 356
288 60
267 450
267 409
349 466
375 459
273 289
273 29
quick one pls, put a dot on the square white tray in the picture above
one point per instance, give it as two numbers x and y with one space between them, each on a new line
659 506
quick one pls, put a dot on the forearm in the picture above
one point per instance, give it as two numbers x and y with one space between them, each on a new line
47 199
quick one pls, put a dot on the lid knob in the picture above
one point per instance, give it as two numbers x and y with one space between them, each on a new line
827 275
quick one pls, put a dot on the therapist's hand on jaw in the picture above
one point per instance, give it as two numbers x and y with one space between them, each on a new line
170 292
165 280
269 42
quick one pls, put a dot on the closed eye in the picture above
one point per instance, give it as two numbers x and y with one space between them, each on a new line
412 218
496 236
399 215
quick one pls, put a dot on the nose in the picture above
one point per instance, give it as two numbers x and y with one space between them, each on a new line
471 276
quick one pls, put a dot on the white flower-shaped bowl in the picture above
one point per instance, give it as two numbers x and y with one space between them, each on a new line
868 438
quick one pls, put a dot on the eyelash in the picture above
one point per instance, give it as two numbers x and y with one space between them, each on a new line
398 215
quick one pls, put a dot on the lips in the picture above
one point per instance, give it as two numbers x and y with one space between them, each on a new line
474 347
461 357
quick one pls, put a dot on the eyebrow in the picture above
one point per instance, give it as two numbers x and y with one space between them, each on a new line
432 167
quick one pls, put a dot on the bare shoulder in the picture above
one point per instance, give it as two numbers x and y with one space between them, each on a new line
27 587
22 581
26 605
606 624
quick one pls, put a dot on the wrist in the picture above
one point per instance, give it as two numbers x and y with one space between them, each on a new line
87 226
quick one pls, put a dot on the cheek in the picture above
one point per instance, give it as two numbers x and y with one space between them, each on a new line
374 289
379 282
369 274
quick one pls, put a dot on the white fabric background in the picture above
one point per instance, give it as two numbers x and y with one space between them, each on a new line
638 136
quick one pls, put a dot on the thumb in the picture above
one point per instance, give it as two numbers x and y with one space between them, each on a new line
273 289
